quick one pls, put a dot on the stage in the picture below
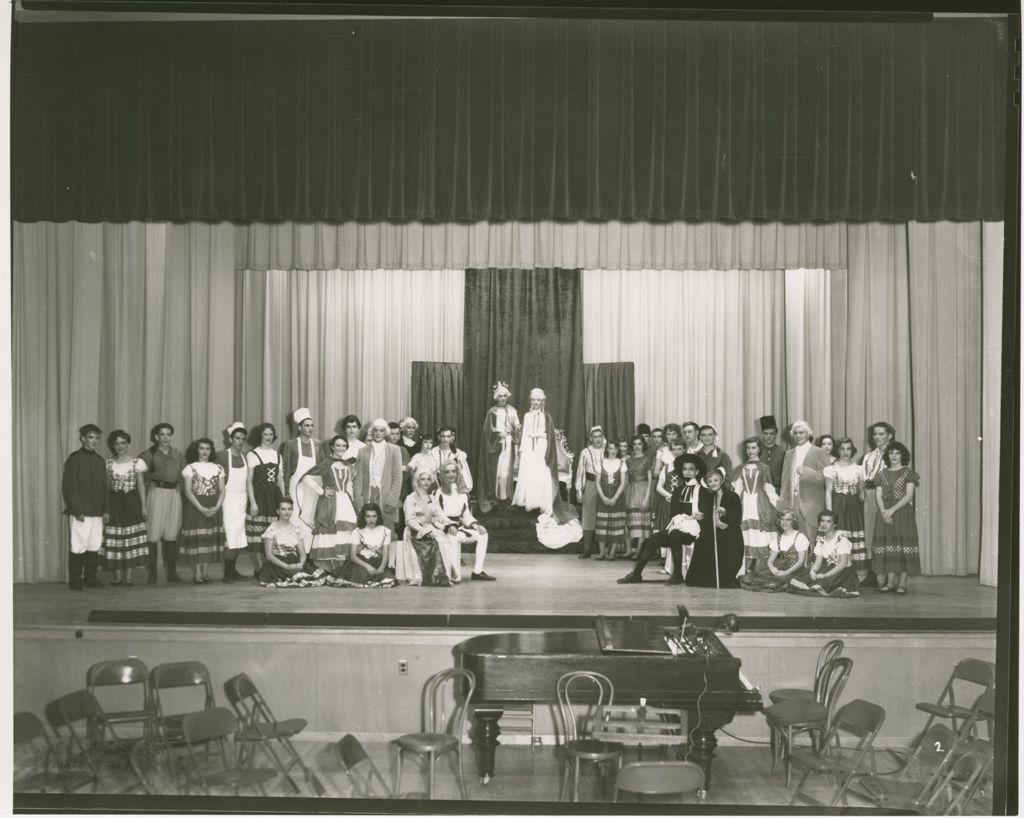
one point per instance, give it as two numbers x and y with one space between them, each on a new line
335 656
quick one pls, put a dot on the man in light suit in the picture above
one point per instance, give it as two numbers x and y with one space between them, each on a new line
803 481
378 474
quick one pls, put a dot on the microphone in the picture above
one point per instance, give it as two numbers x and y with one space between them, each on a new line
684 616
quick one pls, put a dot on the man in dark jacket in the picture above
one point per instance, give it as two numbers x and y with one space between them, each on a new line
84 487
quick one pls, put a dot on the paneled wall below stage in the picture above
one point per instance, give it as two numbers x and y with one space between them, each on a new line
347 681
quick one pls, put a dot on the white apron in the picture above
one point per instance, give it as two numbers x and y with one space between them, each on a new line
236 499
302 495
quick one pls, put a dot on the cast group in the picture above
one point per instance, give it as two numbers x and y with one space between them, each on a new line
395 507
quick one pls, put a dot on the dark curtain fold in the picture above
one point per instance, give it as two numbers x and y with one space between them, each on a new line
436 397
523 327
609 398
449 120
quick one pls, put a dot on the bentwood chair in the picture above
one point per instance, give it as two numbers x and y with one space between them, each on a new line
659 778
365 778
260 728
859 721
446 706
121 673
832 650
596 691
214 754
788 719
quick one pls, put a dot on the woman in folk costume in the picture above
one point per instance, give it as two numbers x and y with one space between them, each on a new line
298 456
500 440
538 458
332 518
752 482
423 555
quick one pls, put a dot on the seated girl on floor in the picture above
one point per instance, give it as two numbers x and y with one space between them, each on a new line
831 574
286 564
787 551
369 553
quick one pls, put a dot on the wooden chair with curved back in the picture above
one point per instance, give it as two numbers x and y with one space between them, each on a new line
832 649
579 747
443 725
789 719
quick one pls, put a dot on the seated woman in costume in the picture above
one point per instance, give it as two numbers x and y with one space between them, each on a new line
832 573
332 518
421 556
369 553
285 563
455 506
786 557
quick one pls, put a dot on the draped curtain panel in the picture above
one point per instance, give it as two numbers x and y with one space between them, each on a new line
476 120
613 245
992 247
436 394
119 325
707 346
523 327
340 341
609 398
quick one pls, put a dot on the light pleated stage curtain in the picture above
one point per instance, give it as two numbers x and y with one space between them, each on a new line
609 398
991 400
708 346
343 341
120 325
608 245
436 395
946 320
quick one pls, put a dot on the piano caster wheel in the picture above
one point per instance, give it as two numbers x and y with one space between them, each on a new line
702 796
485 780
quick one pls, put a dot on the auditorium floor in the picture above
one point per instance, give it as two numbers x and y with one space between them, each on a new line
554 585
742 777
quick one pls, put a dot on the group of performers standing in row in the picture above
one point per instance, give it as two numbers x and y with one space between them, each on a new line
396 507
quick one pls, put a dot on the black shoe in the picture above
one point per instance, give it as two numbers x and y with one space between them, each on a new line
870 581
675 581
629 579
483 575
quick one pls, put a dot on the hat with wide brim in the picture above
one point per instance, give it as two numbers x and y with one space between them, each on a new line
683 459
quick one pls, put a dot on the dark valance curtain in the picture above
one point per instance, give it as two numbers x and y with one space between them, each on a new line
609 398
525 328
476 120
436 396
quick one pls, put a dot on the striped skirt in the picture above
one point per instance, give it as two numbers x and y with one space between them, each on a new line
202 538
124 533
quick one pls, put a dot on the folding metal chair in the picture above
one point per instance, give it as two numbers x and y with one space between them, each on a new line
209 738
123 673
658 778
971 678
366 780
260 728
167 727
37 765
858 720
92 744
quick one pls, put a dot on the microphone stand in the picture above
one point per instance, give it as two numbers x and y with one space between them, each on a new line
714 537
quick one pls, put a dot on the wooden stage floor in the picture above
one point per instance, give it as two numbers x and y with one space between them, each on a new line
542 590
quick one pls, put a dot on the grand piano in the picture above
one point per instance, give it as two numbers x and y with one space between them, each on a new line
522 668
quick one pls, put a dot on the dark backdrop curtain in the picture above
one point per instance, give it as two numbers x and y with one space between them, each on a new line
523 327
436 398
445 120
609 398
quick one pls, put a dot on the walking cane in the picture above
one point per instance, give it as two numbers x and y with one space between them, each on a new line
714 537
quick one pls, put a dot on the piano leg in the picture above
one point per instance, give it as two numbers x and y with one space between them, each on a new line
486 739
703 741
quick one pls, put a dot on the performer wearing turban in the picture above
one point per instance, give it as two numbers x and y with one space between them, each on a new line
538 458
498 453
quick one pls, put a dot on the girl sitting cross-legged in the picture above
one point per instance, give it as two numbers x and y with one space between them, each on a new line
831 574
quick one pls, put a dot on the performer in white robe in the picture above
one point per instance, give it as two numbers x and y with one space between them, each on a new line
535 486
